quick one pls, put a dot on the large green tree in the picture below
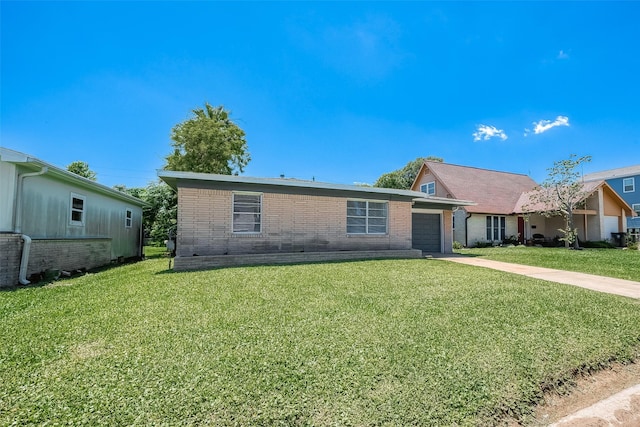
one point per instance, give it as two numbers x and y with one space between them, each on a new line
81 168
160 213
208 142
403 178
561 193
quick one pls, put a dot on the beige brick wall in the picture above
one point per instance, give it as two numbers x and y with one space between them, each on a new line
290 223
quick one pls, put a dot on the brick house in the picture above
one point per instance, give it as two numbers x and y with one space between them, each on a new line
52 219
231 220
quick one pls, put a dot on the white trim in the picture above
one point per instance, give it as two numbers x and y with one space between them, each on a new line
128 219
633 185
424 188
233 212
366 217
424 210
82 211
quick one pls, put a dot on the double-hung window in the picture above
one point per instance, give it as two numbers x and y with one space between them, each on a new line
77 209
366 217
496 226
429 188
636 207
247 212
628 185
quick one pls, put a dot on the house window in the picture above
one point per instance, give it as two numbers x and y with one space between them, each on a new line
429 188
128 218
628 185
496 227
636 207
77 206
247 212
366 217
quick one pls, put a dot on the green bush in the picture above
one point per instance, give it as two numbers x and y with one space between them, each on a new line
457 245
600 244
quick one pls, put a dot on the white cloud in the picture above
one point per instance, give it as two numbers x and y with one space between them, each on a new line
545 125
485 132
563 55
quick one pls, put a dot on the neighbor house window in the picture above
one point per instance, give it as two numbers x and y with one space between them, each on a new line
366 217
128 218
496 227
429 188
77 206
247 212
628 185
636 207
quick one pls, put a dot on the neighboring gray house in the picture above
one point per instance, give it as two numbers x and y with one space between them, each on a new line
231 220
53 219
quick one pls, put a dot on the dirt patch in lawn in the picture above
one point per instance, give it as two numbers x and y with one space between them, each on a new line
589 389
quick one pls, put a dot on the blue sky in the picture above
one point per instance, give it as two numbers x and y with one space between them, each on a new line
339 92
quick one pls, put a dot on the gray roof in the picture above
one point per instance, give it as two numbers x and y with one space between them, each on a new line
613 173
172 178
30 162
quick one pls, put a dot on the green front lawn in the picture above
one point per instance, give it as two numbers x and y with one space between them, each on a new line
395 342
623 264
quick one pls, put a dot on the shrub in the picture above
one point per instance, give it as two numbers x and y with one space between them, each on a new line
484 244
457 245
633 245
600 244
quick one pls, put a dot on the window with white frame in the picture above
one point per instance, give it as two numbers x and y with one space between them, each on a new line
636 207
366 217
429 188
247 212
628 185
77 209
128 218
496 226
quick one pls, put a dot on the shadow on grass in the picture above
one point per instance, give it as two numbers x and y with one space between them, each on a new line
285 264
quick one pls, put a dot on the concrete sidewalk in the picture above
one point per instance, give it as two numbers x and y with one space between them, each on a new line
609 285
621 409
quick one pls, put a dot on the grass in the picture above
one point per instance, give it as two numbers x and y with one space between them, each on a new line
395 342
623 264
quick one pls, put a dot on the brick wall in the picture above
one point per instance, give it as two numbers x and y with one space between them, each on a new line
10 253
68 254
290 223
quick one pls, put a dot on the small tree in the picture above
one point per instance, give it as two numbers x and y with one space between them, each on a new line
82 168
209 142
561 193
403 178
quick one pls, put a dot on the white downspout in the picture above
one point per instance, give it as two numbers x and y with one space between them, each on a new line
24 261
26 248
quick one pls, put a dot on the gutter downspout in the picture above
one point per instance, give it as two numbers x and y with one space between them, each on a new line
24 261
466 230
26 248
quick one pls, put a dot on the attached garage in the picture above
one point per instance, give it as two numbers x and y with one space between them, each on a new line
425 232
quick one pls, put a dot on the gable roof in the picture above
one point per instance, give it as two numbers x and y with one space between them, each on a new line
524 204
172 178
493 191
29 162
613 173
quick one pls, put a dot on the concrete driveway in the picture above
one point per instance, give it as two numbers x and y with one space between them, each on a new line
609 285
